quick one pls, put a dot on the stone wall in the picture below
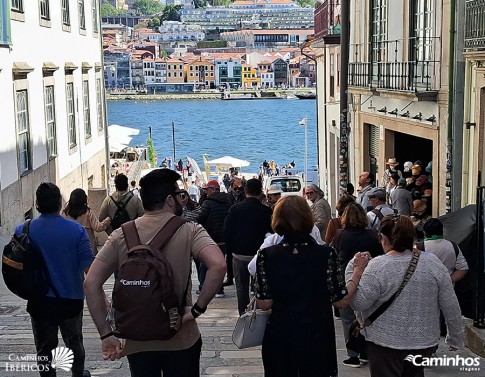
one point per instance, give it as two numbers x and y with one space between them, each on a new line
19 198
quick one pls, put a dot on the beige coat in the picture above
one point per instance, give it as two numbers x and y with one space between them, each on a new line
89 221
321 213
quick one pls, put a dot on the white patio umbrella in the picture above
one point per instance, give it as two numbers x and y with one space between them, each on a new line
120 137
228 162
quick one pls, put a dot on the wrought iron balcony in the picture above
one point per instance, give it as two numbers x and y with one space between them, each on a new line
475 24
327 21
406 65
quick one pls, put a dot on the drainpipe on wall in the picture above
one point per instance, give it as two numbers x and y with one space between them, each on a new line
105 112
344 86
456 104
450 184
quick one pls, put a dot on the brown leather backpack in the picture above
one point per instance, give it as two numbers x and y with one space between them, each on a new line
145 304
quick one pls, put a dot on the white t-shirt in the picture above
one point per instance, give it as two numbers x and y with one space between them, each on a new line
445 251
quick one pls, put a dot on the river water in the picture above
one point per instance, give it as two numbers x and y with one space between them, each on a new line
252 130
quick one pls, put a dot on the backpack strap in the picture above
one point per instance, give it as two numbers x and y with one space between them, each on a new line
26 226
378 214
420 246
166 233
25 230
122 204
129 198
117 204
132 238
456 248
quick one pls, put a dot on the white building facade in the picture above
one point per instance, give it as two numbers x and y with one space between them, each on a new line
53 108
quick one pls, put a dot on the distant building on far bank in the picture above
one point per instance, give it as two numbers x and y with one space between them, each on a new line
252 14
53 113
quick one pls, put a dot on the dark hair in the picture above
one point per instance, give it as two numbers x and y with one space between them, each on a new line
371 177
350 189
254 187
395 177
156 186
403 233
48 198
433 227
121 182
133 183
77 204
387 225
343 202
292 217
354 216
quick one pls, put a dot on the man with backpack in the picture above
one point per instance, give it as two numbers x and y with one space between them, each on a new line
447 251
122 206
176 353
377 199
66 251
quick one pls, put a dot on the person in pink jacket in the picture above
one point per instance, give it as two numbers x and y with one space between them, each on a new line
77 209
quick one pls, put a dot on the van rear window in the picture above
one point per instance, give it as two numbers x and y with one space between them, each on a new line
287 185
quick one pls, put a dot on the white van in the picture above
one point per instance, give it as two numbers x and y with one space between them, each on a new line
289 184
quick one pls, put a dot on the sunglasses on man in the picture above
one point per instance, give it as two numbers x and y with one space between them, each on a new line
181 194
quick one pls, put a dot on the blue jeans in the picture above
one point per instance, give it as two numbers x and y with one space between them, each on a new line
180 363
347 315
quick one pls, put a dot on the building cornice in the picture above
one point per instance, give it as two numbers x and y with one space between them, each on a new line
48 68
70 67
21 69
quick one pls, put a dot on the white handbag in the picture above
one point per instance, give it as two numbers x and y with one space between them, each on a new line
250 327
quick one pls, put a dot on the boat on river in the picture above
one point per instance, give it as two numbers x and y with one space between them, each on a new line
228 95
307 95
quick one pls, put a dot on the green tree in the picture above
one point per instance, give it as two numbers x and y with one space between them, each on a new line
200 3
147 7
171 13
154 22
152 157
109 10
306 3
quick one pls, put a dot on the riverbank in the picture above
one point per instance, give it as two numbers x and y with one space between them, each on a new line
159 97
133 96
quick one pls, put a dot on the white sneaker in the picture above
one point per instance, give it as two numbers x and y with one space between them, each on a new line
220 295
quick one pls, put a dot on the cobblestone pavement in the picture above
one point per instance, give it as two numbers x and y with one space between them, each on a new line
220 358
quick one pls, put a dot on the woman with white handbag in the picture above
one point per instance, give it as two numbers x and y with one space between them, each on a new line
299 281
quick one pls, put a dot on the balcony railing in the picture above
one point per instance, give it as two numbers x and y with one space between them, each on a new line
407 65
475 24
327 19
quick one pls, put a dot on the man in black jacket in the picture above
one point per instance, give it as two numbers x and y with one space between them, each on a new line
245 228
212 214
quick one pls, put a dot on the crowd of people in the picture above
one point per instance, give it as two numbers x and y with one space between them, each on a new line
287 251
